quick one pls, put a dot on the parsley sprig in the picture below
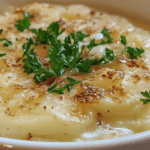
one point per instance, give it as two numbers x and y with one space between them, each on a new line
66 54
63 54
1 31
53 89
7 42
33 65
132 52
24 23
71 83
108 56
147 95
106 40
1 55
68 86
46 36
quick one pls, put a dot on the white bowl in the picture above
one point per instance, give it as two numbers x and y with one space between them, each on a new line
137 11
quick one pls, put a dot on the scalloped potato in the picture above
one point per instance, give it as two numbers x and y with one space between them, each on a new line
107 103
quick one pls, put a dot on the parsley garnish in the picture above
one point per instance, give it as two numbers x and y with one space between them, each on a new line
26 48
1 55
132 52
68 86
80 35
106 35
53 90
147 95
25 23
109 56
92 44
71 83
65 54
33 65
123 40
45 36
7 42
1 31
31 41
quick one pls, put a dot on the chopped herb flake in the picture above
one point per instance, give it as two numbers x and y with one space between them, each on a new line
1 31
1 55
147 95
123 40
134 52
53 89
7 42
71 83
33 65
25 23
109 56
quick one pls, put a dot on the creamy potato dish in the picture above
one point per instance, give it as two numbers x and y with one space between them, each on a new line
72 74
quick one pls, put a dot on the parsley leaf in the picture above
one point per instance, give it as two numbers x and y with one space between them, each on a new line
54 29
42 35
31 41
1 55
25 23
71 83
85 65
109 56
45 36
58 67
54 54
53 89
123 40
106 34
134 52
7 42
1 31
26 48
81 35
147 95
33 65
92 44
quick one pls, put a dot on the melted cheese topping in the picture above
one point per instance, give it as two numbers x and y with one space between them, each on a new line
106 105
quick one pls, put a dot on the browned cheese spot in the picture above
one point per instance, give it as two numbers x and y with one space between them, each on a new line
89 93
44 107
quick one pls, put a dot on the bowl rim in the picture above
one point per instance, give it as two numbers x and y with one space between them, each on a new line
107 143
